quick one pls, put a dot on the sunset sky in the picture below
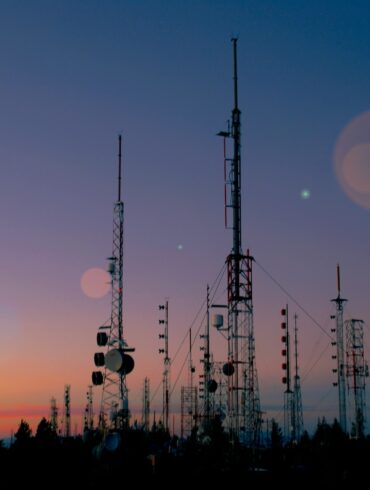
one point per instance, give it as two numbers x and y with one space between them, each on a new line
73 75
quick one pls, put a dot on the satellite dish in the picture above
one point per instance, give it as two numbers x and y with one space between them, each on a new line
99 359
114 360
217 321
228 369
128 364
212 385
102 339
112 441
97 378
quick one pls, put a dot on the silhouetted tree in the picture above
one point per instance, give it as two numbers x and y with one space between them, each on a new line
23 433
45 431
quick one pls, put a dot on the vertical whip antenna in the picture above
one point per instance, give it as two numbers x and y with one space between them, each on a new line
243 413
339 356
119 165
338 279
234 41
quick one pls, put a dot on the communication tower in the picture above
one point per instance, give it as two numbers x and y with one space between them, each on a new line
89 412
54 415
166 368
244 413
287 380
298 409
340 369
145 419
67 411
209 384
117 361
357 370
189 399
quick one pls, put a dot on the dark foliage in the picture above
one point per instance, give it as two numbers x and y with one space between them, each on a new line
328 460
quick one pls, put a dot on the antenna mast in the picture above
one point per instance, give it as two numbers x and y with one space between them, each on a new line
244 413
67 410
118 363
298 409
166 368
341 375
146 405
357 371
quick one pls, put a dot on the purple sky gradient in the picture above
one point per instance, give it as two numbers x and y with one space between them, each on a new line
74 74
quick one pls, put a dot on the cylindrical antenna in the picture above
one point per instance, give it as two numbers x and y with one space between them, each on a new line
234 41
119 165
338 279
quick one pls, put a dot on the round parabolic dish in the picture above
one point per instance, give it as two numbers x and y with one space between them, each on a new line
228 369
128 364
212 385
114 360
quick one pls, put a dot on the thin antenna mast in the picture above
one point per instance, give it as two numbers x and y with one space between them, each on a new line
118 363
244 414
341 382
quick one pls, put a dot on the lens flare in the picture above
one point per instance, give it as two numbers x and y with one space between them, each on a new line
352 159
95 282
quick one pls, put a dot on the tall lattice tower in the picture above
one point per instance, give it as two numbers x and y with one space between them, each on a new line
189 398
118 363
209 384
244 413
298 409
287 379
67 411
357 371
54 415
166 368
341 374
145 418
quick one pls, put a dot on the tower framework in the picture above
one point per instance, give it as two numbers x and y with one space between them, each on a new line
89 412
340 369
117 360
54 415
287 380
210 386
356 373
298 408
244 413
166 368
189 398
145 419
67 411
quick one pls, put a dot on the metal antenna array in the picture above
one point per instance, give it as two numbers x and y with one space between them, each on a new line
341 379
293 412
209 384
118 363
145 419
67 411
357 371
287 381
54 415
298 409
89 412
166 368
189 398
244 413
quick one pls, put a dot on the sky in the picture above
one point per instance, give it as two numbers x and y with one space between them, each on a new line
74 75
